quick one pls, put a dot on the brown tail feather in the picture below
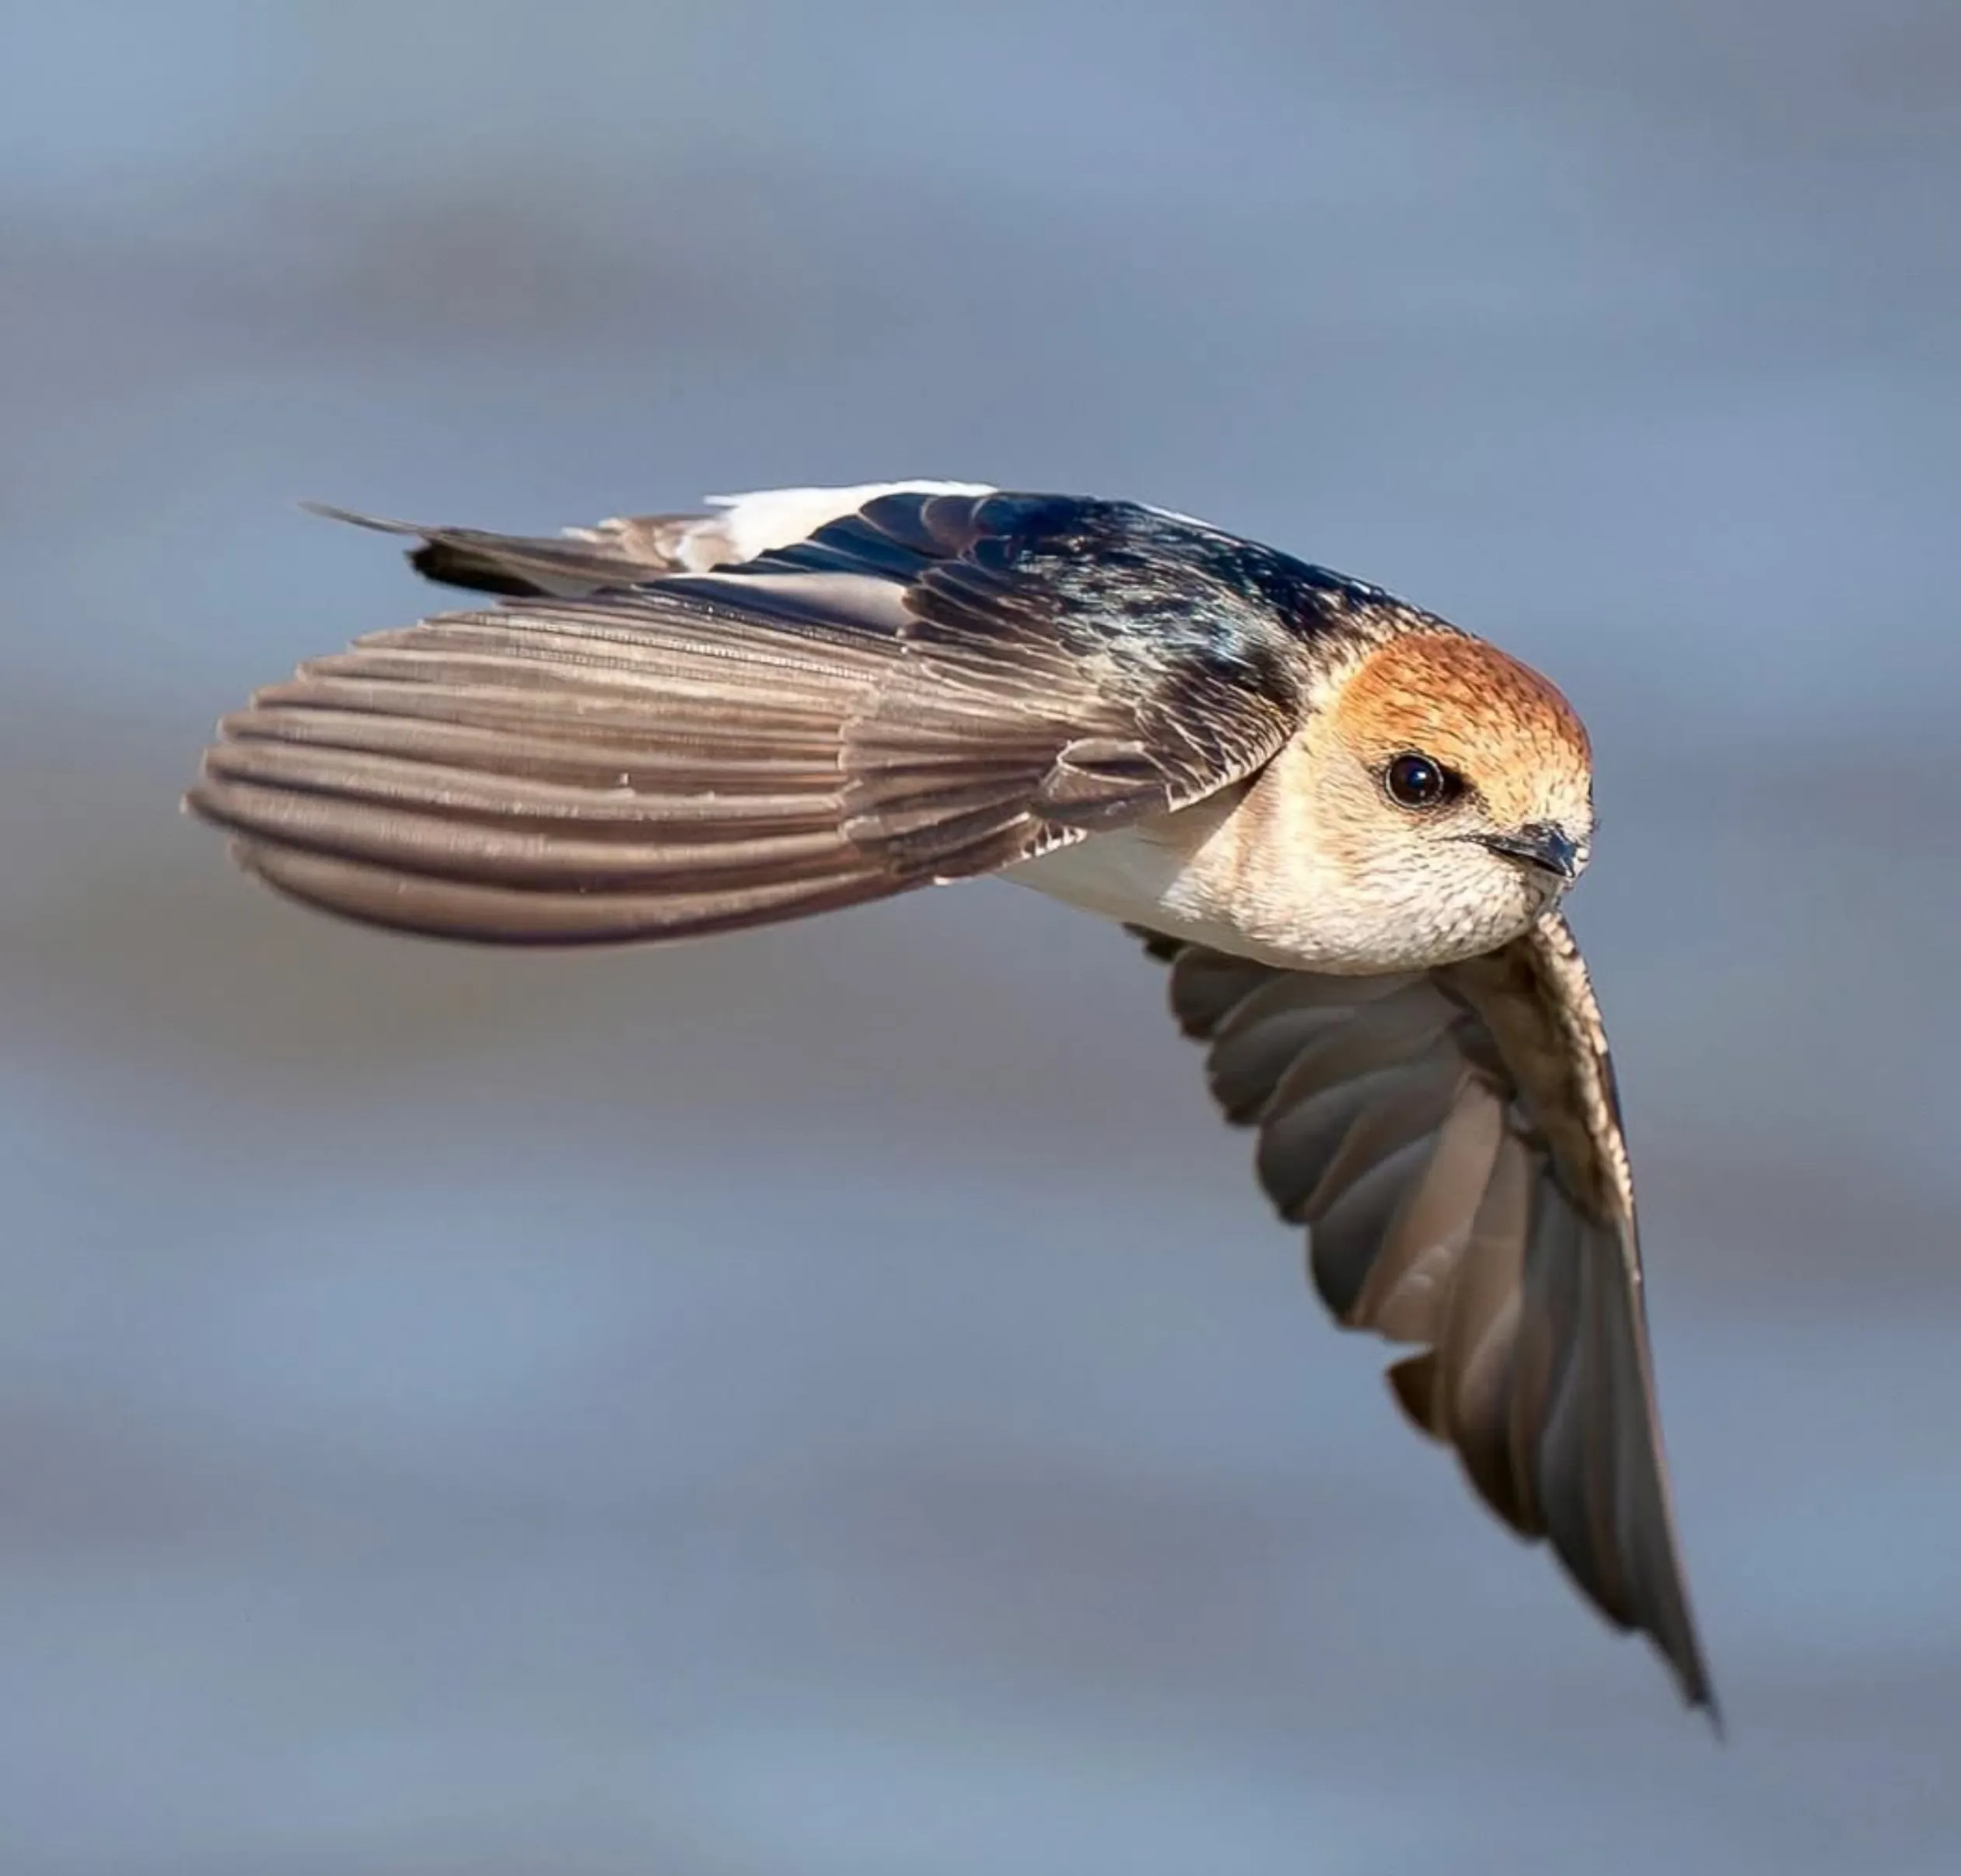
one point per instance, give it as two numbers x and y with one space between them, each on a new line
518 566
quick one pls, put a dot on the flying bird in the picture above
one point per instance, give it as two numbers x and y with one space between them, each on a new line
1345 825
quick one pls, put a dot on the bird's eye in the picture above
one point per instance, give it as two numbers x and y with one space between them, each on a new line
1415 781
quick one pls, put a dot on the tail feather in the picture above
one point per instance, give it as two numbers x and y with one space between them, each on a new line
518 566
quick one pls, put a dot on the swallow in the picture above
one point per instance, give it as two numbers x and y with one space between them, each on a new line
1345 825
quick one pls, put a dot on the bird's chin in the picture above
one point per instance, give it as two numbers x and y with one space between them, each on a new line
1416 949
1495 922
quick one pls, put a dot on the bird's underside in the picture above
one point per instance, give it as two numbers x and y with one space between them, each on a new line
675 725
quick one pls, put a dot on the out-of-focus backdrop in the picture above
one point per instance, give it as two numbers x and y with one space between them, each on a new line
831 1403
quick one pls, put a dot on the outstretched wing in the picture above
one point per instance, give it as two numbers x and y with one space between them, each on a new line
1452 1140
933 686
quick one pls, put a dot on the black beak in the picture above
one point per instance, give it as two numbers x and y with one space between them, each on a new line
1539 843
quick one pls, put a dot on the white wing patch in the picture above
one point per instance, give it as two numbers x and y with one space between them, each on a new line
758 522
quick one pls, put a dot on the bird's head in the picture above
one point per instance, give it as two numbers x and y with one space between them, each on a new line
1453 792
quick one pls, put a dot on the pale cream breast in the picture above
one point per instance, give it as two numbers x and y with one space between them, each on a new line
1247 872
1152 874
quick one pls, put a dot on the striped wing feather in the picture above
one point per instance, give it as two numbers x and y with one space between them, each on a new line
1452 1140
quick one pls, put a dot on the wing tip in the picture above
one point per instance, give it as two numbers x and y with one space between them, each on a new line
1692 1681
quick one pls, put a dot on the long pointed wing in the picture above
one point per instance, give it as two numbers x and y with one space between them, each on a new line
934 686
1453 1142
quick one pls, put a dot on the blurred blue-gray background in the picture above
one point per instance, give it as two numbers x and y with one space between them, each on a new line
832 1402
